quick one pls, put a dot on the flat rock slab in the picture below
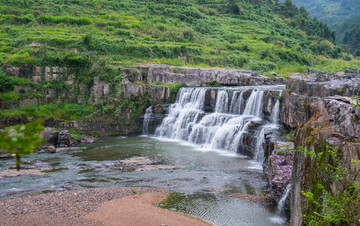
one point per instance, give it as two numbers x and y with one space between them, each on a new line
253 198
135 161
15 173
159 167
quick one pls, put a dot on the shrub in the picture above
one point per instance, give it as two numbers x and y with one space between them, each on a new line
174 88
20 59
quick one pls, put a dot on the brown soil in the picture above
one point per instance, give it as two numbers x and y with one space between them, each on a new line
140 210
95 206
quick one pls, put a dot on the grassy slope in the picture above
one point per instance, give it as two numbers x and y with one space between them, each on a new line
100 37
118 33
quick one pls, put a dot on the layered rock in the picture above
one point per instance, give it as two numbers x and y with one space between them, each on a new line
321 117
196 77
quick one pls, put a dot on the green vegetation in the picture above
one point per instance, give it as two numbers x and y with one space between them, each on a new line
334 196
21 140
107 35
349 34
100 38
330 11
342 16
213 84
55 111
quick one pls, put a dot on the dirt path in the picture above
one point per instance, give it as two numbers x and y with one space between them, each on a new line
95 206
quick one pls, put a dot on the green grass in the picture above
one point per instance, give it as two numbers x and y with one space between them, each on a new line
184 32
61 111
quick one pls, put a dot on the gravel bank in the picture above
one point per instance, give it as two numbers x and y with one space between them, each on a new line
65 207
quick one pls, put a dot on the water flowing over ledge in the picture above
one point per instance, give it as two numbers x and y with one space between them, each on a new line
234 119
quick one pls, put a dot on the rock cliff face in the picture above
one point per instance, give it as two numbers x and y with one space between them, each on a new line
323 114
198 76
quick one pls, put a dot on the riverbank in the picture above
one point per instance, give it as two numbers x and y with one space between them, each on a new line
93 206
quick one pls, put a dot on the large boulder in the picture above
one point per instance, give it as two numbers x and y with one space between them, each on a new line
66 140
50 135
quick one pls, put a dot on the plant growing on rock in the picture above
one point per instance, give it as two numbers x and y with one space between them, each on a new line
334 197
21 140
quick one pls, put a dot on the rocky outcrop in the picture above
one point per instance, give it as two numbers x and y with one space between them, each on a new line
39 74
55 139
195 77
323 115
279 167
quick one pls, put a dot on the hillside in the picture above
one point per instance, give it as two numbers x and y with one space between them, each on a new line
332 12
340 15
99 38
215 33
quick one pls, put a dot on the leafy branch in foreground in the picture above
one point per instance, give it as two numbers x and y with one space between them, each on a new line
21 140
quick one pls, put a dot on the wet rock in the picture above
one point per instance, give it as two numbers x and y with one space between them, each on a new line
22 172
67 149
253 198
51 149
135 161
50 135
86 139
5 155
66 140
280 167
159 167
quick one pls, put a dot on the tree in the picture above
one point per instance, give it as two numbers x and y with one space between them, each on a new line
21 140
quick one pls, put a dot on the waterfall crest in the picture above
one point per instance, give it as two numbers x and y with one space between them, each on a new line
226 127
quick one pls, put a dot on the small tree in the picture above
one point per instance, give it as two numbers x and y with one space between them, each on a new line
21 140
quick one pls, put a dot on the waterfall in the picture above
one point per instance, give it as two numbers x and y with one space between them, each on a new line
147 119
259 150
222 102
255 103
275 112
283 198
237 103
236 123
222 129
280 217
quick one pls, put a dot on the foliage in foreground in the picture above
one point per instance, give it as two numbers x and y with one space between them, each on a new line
21 140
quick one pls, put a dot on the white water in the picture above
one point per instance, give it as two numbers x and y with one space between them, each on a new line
147 119
223 129
283 198
259 150
280 218
275 117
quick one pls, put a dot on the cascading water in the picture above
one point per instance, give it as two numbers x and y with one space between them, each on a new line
283 198
237 103
225 127
280 212
147 119
275 112
259 150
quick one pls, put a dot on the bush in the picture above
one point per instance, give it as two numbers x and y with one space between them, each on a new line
7 83
20 59
261 66
64 19
213 84
174 88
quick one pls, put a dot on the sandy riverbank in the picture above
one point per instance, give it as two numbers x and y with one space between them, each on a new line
95 206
